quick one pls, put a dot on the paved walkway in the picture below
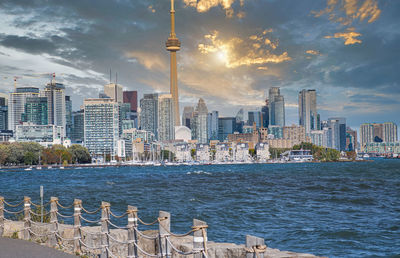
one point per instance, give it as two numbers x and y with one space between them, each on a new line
16 248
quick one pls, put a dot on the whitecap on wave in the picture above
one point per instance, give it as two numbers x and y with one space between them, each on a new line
198 172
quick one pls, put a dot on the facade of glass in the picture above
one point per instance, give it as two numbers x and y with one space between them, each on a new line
46 135
166 125
16 105
77 135
36 111
55 94
308 116
200 122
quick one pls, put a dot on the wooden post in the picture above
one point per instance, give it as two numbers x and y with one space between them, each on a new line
1 216
77 225
253 243
105 216
53 220
164 226
199 237
27 217
132 234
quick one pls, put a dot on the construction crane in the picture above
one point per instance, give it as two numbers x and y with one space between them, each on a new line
33 75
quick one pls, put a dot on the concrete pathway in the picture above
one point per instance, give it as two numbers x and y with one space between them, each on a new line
16 248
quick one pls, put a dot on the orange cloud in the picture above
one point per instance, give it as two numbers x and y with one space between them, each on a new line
313 52
347 11
205 5
349 36
235 52
149 60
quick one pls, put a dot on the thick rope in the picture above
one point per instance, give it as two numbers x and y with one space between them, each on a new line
40 235
13 205
38 205
90 221
65 207
65 216
90 247
13 212
179 251
147 224
110 253
64 239
143 235
115 226
118 241
120 216
177 235
45 214
91 212
257 249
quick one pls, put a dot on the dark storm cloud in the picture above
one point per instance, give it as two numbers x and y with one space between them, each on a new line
27 44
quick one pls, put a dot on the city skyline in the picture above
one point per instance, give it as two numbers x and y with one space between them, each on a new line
336 59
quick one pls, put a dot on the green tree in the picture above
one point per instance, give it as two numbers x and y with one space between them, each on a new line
79 154
193 153
252 152
4 153
29 158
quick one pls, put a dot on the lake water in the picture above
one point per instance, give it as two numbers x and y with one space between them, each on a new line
329 209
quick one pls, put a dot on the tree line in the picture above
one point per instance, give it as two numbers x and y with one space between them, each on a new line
31 153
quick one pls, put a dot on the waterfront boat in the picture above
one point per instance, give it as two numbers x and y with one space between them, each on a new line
28 169
61 167
49 167
39 167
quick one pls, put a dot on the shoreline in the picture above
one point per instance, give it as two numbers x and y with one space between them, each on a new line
154 164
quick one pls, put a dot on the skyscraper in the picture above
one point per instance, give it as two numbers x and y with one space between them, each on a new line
377 132
114 91
173 45
68 116
166 128
254 117
277 107
338 133
213 125
77 126
131 97
101 126
55 94
16 105
308 110
187 116
199 122
36 111
149 113
3 114
265 114
226 126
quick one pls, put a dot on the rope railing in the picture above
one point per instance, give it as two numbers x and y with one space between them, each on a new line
13 205
82 237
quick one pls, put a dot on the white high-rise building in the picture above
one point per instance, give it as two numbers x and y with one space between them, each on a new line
199 125
101 126
55 94
114 91
166 128
308 116
16 104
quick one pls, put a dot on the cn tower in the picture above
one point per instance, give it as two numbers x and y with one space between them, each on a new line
173 45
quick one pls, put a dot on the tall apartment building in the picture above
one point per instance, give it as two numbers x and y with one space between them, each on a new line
276 107
131 98
199 123
321 137
16 105
338 133
376 132
351 139
55 94
308 116
166 124
149 113
254 117
114 91
213 125
265 114
187 116
101 126
36 111
78 124
68 116
3 114
226 126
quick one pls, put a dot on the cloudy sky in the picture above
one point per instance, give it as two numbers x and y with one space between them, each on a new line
232 51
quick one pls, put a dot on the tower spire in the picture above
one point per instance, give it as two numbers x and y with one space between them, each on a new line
173 45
